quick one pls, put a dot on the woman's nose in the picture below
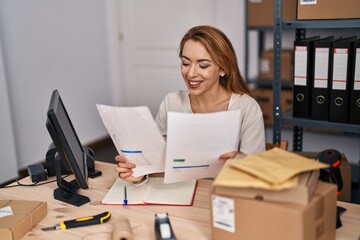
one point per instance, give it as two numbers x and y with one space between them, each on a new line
192 72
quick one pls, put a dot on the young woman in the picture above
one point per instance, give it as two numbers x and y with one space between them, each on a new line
214 83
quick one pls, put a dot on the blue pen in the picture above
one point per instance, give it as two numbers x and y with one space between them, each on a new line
125 196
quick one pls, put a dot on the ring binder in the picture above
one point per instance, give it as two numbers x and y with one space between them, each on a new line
341 70
320 84
303 71
355 86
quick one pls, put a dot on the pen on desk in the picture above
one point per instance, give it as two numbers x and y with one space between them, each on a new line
125 196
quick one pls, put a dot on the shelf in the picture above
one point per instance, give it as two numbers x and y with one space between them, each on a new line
340 23
260 28
304 122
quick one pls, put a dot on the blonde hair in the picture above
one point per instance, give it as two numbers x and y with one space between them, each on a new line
222 52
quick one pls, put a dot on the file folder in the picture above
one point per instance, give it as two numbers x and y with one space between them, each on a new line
320 95
303 61
355 85
340 80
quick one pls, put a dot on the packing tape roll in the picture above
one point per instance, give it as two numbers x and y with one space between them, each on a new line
121 229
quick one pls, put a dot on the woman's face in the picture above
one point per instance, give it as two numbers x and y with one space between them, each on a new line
200 73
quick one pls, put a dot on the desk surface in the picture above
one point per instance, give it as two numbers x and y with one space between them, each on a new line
188 222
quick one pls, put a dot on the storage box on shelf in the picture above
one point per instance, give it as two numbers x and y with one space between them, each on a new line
267 65
260 14
327 9
264 96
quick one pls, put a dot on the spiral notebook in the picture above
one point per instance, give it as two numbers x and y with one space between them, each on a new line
154 192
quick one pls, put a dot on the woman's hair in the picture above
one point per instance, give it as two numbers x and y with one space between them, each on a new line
222 52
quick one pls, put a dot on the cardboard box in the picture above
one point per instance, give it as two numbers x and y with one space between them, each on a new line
328 9
26 214
267 64
264 97
239 218
261 12
345 170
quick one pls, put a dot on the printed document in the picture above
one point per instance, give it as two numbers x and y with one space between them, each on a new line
135 135
195 142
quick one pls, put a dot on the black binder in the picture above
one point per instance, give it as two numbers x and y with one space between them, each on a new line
303 60
320 84
354 117
340 75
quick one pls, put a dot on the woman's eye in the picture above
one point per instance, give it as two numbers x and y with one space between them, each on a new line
204 66
185 64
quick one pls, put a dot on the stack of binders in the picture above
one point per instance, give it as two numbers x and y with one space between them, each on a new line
327 79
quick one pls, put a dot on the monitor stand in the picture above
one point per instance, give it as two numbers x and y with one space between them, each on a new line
67 191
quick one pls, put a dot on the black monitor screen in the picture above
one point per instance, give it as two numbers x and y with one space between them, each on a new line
66 140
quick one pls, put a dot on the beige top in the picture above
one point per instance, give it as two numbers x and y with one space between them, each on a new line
252 132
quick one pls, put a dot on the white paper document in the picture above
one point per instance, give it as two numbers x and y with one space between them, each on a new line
135 135
195 142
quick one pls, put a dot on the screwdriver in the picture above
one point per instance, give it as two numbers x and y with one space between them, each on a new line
80 222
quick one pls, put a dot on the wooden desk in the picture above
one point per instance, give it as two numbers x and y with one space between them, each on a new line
188 222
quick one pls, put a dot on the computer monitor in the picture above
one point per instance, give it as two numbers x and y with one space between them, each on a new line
71 153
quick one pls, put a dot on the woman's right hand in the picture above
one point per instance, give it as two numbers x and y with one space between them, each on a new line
125 169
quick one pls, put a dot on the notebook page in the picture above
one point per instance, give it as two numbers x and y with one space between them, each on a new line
180 193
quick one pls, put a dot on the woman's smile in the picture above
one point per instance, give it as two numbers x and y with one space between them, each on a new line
194 84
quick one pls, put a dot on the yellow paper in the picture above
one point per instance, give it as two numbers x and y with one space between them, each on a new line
233 177
276 165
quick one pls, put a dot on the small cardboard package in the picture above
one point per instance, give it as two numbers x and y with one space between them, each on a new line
234 217
25 215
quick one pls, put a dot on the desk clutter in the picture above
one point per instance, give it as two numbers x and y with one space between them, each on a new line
187 222
273 195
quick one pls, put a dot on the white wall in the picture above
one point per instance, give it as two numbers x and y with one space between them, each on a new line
49 44
7 144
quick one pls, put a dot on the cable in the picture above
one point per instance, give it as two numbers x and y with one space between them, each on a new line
33 184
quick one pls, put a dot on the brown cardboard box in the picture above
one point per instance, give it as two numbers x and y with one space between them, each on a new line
261 12
26 214
267 63
345 170
264 97
245 219
328 9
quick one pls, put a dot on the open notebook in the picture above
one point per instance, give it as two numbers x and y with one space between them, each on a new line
154 192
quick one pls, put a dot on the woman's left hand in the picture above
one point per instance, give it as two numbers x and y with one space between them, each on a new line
230 155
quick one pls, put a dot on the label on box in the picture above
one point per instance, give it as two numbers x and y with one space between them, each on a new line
6 211
223 211
307 2
265 65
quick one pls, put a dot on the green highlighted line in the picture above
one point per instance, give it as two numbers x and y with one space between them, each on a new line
179 160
